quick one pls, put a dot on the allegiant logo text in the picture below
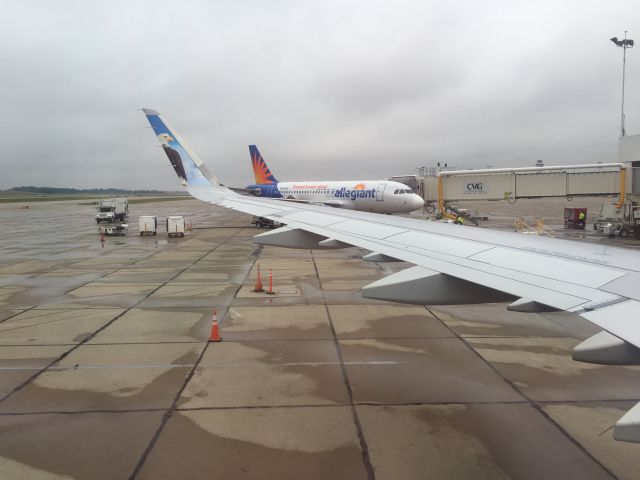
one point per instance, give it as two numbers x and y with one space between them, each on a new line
353 194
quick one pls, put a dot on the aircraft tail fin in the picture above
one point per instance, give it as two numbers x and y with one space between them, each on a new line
260 170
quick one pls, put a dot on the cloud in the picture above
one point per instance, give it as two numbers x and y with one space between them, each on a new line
326 89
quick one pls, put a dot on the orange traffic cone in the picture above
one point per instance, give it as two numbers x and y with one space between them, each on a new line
215 330
258 288
270 291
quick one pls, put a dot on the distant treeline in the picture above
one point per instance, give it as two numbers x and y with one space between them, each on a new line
85 191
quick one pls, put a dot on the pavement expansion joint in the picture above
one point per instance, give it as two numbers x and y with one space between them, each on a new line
518 391
89 337
169 412
323 384
364 447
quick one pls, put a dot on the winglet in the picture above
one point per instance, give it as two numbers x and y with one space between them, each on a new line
192 172
149 111
189 168
260 170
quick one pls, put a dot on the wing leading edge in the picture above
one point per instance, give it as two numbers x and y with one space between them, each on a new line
535 274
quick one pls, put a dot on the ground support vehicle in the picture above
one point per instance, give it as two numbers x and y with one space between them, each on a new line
261 222
572 218
619 221
112 210
114 229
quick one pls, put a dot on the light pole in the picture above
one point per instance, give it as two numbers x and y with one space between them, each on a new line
625 43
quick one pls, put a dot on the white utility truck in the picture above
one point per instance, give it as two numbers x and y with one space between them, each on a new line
112 210
148 225
618 221
175 226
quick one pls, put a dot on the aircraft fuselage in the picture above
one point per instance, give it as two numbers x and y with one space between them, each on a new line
370 196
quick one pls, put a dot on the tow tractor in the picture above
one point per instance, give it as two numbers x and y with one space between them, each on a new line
114 229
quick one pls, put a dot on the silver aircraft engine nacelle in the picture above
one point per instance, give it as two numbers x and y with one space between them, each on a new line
421 286
606 349
293 238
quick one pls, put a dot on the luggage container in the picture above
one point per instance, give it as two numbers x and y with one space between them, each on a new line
148 225
175 226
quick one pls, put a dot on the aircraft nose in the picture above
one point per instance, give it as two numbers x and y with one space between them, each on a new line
418 202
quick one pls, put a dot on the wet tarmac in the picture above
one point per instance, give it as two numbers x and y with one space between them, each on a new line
106 371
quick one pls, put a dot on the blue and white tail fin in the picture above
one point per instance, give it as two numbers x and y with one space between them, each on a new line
260 170
189 168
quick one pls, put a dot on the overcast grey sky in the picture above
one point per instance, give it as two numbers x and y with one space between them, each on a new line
327 90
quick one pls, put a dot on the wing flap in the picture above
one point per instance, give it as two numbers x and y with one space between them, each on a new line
557 268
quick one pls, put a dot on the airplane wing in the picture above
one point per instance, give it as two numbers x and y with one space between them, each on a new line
455 264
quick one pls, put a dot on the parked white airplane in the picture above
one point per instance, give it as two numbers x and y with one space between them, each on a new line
457 265
379 196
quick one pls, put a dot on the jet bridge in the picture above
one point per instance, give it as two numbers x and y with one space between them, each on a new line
511 184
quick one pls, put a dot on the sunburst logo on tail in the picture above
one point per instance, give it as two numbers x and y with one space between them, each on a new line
261 172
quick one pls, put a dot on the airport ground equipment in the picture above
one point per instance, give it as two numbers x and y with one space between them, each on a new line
175 226
572 218
215 329
148 225
534 273
112 210
540 228
511 184
114 229
262 222
619 220
411 181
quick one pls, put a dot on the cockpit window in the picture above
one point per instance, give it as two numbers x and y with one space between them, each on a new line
396 192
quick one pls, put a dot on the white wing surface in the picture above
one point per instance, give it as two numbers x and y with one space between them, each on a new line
455 264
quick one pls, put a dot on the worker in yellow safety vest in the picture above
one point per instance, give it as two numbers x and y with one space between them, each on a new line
581 219
460 220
